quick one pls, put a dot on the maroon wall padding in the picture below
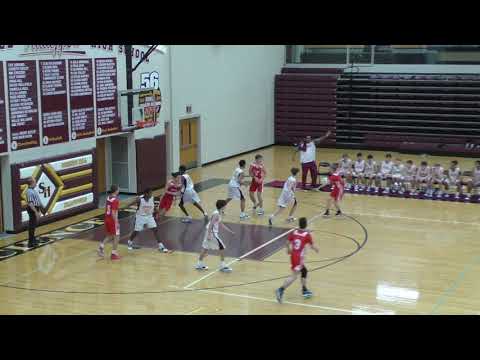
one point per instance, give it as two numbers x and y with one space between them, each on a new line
305 104
151 163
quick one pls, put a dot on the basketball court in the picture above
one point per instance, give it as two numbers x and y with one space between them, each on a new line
385 256
78 120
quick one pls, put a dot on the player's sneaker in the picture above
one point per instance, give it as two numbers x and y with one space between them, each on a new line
279 295
307 294
291 219
244 216
163 249
338 213
187 220
201 267
132 246
101 251
260 211
270 220
326 213
115 257
226 269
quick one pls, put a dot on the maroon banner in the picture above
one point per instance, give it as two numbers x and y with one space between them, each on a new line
108 121
81 98
53 96
3 115
23 104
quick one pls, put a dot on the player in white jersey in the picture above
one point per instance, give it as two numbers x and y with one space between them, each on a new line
438 177
189 195
385 173
144 217
345 170
370 171
424 174
397 175
287 197
212 240
235 190
359 172
474 183
409 175
453 178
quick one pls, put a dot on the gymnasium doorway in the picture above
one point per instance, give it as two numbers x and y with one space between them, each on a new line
189 142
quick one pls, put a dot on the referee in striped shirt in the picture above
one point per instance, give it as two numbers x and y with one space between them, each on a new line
33 209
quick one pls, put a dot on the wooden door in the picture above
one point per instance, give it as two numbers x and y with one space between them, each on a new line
101 166
189 142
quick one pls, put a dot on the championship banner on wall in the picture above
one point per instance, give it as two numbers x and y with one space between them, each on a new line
23 104
53 96
81 99
66 185
108 121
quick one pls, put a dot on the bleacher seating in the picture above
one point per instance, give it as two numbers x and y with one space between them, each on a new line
305 103
438 113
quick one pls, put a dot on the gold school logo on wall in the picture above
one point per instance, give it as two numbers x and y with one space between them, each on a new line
57 184
49 187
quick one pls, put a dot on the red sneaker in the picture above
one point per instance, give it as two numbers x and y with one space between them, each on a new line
115 257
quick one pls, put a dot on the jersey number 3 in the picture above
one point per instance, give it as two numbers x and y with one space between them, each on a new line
296 244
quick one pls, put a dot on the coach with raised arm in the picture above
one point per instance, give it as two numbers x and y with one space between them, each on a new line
307 148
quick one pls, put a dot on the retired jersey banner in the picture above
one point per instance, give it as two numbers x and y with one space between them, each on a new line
53 95
23 104
3 114
108 121
82 115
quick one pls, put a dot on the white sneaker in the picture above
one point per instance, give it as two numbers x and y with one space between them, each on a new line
163 249
244 216
201 267
291 219
132 246
226 269
187 219
260 211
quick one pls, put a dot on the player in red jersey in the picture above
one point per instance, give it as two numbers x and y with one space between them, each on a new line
337 184
257 172
112 226
297 241
172 190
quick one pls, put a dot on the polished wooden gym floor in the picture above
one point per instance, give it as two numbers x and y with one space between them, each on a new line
386 256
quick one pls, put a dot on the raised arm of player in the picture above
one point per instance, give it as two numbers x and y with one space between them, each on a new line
320 139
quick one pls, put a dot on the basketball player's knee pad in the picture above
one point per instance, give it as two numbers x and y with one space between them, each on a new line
304 272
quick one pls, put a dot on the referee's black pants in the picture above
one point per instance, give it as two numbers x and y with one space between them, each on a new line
32 224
